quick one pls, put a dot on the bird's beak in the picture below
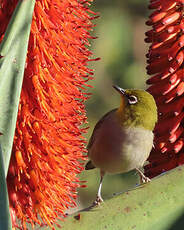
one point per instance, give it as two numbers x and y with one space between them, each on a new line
120 90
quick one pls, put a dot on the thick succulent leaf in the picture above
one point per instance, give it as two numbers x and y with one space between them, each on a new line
13 50
154 206
5 220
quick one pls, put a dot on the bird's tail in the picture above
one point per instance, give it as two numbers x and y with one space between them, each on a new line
89 166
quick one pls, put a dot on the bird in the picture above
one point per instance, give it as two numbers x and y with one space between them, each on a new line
123 138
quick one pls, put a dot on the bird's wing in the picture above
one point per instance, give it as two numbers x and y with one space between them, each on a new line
97 126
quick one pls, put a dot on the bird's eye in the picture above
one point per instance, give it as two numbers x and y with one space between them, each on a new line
132 99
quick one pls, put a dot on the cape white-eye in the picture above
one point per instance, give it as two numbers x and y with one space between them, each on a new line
122 139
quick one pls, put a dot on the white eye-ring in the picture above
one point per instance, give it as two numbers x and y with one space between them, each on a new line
132 99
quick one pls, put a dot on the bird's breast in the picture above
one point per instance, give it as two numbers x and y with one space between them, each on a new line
117 149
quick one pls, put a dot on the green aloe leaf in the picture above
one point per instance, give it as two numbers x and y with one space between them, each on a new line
5 220
158 205
13 50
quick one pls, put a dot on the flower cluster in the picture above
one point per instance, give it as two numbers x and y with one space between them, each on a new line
165 62
48 145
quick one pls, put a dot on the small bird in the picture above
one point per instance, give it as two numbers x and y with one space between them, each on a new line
122 139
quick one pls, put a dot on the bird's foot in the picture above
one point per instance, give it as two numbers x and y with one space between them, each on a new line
98 201
144 179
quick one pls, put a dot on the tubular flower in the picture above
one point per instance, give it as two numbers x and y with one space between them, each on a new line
165 62
48 144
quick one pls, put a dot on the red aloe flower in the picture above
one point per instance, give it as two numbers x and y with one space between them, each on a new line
48 144
165 63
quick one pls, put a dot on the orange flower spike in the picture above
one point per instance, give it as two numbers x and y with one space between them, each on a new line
48 144
166 59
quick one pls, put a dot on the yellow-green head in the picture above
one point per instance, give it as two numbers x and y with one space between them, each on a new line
137 108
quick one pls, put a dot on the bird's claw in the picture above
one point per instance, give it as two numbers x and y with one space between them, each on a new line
144 179
98 201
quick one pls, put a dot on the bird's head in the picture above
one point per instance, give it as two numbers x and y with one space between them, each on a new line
137 108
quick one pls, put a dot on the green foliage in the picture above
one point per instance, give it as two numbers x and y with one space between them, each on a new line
155 205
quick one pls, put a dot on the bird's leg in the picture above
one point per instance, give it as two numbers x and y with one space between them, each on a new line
143 178
99 197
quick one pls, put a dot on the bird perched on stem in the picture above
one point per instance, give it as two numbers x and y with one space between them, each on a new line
122 139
